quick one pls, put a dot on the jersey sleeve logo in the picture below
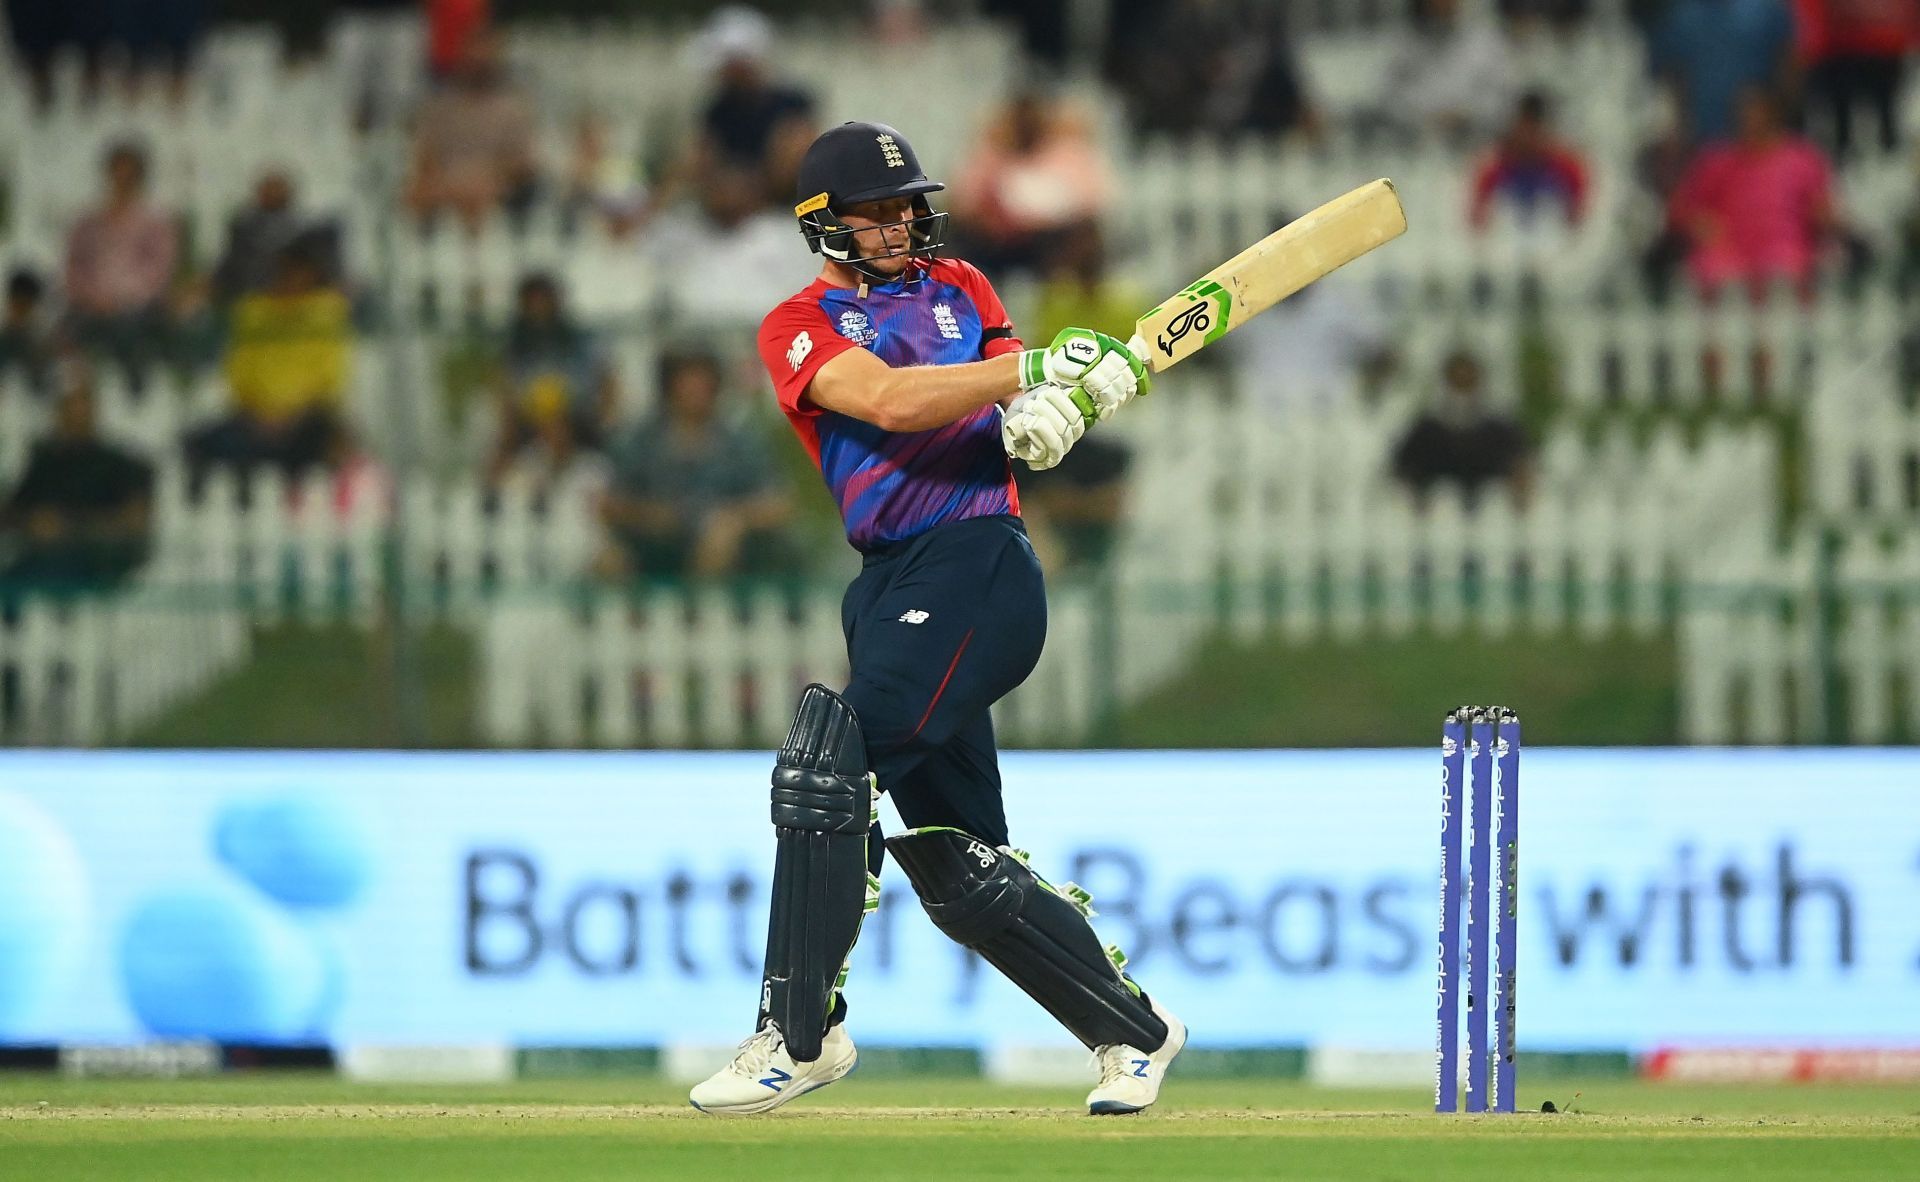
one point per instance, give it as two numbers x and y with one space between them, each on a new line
943 320
798 350
855 326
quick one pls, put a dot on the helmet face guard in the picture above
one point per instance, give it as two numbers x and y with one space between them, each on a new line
829 236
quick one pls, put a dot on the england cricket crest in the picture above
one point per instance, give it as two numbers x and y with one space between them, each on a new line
1197 315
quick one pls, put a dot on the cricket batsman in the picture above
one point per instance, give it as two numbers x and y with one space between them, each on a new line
903 378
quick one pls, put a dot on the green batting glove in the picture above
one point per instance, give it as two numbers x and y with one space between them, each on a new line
1104 369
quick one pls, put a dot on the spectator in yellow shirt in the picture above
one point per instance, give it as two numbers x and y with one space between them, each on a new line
288 355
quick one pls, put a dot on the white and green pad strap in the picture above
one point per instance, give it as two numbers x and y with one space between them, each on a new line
1036 934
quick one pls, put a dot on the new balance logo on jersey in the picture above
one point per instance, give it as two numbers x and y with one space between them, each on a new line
890 151
916 616
944 321
798 350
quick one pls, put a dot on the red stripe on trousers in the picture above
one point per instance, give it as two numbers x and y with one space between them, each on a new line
951 665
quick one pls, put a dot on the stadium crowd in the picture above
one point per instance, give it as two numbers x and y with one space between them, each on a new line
1767 96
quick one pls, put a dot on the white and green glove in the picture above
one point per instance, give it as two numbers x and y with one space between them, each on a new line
1042 425
1107 369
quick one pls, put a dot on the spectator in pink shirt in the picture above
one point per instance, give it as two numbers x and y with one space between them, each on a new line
1755 210
1035 174
120 261
474 143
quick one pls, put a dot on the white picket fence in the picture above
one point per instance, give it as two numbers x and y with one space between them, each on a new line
711 667
83 672
1301 525
321 550
1758 651
1863 462
1742 355
1236 522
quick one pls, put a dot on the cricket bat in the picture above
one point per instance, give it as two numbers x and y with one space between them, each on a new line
1298 253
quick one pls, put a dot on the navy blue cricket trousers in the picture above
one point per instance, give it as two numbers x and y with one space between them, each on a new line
939 627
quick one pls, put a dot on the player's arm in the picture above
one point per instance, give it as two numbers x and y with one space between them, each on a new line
912 397
1101 372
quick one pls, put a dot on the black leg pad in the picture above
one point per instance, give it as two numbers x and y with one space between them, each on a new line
988 900
823 806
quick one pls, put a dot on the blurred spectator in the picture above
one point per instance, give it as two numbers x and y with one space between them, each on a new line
1460 441
902 26
1449 75
693 493
452 28
261 232
79 516
287 368
1709 51
1659 166
601 182
473 148
1034 172
1078 292
1562 16
724 262
1856 53
161 38
558 388
153 37
1313 351
1074 510
1757 210
374 45
42 28
1222 67
1528 167
752 123
120 262
26 337
1044 25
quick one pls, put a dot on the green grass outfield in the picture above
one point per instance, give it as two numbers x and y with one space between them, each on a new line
301 1127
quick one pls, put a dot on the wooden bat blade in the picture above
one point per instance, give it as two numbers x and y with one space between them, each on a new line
1298 253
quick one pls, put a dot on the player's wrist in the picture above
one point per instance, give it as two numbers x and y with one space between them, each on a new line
1033 368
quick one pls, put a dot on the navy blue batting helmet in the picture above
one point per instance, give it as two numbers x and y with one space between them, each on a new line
860 162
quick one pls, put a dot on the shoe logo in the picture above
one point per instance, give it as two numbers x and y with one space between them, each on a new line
779 1077
1140 1067
916 616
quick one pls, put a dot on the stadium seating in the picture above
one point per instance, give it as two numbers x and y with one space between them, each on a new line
1745 476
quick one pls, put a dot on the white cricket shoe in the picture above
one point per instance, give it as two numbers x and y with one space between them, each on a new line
1129 1077
763 1076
